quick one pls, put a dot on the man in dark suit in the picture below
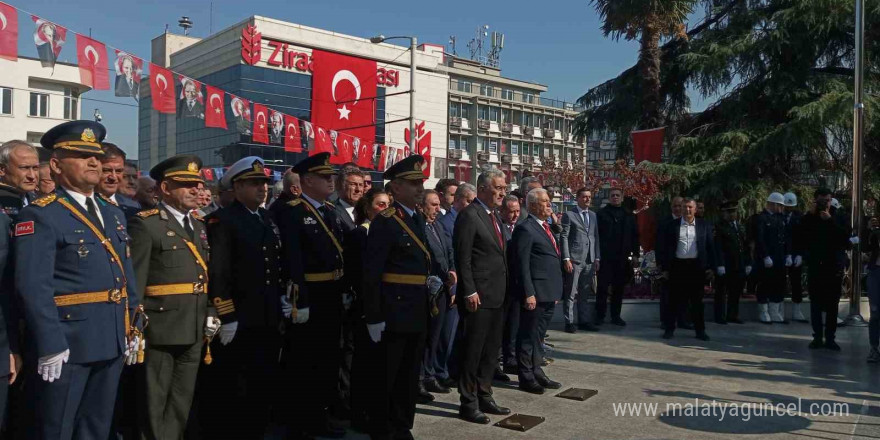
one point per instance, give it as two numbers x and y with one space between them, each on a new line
246 285
510 213
190 105
580 255
537 267
619 247
112 171
730 239
482 284
443 267
686 255
127 84
349 189
395 297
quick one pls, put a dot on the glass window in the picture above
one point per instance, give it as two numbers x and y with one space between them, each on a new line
493 145
514 148
529 98
463 86
487 90
465 111
463 143
453 143
71 103
557 124
536 150
39 104
5 101
454 109
527 120
507 94
483 112
494 114
506 115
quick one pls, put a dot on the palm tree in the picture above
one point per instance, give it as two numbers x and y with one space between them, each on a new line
648 21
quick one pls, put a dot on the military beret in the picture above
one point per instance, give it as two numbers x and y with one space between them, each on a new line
180 168
79 136
318 164
251 167
409 168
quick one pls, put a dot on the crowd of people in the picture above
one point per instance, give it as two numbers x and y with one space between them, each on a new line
164 307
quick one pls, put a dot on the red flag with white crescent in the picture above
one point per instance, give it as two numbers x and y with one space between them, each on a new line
214 114
94 69
162 89
362 153
343 93
49 37
292 135
423 145
322 141
380 163
345 142
261 124
8 32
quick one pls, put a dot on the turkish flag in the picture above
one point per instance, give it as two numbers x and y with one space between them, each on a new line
362 154
322 142
345 143
423 145
8 32
648 144
162 89
94 70
380 162
292 136
214 114
343 93
261 124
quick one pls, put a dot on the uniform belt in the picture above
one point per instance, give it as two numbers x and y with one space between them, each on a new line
177 289
324 276
112 295
398 278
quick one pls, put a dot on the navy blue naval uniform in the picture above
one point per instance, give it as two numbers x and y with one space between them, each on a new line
50 237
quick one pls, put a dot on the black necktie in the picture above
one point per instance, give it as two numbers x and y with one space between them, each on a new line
93 212
188 228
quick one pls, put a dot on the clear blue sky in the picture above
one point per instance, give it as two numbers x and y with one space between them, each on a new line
557 43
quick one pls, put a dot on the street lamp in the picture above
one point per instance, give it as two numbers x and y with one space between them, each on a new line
855 315
412 84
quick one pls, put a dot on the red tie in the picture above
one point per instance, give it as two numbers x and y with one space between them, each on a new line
497 231
549 234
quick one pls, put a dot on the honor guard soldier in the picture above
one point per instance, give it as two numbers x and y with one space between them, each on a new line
77 290
245 287
170 254
772 257
395 297
312 237
733 248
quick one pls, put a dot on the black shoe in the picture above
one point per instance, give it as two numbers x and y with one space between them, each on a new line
619 322
547 361
587 327
474 416
571 328
702 336
817 343
432 386
423 395
531 387
667 334
492 408
831 345
448 382
549 344
500 376
720 321
511 368
685 326
548 383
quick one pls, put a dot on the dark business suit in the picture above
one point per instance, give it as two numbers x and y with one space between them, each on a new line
686 274
184 111
619 241
123 88
538 270
730 239
344 218
482 269
511 306
434 365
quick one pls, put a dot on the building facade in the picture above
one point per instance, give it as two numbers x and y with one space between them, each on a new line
34 99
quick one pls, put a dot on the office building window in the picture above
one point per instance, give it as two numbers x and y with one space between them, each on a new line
5 101
39 104
536 150
506 115
495 114
514 148
453 143
463 86
483 112
527 120
529 98
463 143
71 103
507 94
493 145
454 109
465 111
487 90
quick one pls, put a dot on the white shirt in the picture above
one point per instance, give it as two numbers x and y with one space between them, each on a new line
81 199
687 240
176 214
348 208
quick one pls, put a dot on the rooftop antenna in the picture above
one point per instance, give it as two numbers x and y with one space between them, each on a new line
494 56
452 43
476 44
185 23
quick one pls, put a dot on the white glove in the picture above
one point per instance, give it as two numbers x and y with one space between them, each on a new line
227 332
798 260
49 367
788 262
768 262
212 324
748 270
721 271
376 331
302 316
347 299
854 240
131 350
286 306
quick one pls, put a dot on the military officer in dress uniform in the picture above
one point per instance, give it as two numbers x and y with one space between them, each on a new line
312 237
19 174
245 287
730 236
772 256
396 298
77 289
170 254
10 355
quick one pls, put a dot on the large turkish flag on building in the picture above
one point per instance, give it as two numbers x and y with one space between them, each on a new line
292 135
215 115
94 70
8 32
162 89
343 93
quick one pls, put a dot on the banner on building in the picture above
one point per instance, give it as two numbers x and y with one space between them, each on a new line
8 32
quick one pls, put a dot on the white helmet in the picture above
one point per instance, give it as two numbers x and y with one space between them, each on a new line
835 203
776 198
790 199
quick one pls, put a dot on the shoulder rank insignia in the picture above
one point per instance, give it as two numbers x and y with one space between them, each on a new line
106 199
45 200
147 213
388 212
294 202
329 205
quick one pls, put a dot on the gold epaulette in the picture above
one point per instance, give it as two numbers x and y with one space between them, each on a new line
294 202
388 212
106 199
147 213
330 205
45 200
